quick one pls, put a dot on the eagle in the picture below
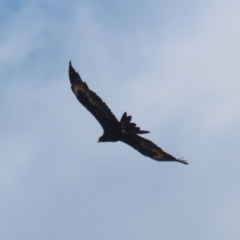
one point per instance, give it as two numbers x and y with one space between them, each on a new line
114 130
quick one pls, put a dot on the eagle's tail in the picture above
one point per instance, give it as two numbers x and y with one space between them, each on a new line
130 127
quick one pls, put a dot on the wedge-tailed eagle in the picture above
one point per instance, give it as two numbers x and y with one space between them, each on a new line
114 130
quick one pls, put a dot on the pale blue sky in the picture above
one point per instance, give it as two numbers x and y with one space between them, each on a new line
172 65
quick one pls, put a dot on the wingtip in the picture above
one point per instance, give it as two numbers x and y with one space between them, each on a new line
182 161
71 73
71 69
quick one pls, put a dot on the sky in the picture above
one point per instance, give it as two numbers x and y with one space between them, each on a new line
172 65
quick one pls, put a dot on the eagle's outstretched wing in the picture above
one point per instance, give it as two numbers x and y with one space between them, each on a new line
148 148
91 100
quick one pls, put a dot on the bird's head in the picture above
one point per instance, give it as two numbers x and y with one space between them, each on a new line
102 139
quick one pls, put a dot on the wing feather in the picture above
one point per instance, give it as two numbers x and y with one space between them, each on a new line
90 100
148 148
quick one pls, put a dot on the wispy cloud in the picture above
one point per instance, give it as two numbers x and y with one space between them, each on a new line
177 73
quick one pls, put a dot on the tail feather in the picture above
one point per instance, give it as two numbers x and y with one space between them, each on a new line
130 127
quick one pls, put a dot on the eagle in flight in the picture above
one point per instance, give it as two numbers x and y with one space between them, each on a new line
114 130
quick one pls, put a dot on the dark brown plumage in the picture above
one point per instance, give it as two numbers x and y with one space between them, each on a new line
114 130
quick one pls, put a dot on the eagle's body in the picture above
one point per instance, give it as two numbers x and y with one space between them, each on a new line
114 130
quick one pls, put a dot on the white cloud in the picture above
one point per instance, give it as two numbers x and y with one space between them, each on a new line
197 73
57 182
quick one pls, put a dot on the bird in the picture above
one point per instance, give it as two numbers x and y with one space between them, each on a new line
113 130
